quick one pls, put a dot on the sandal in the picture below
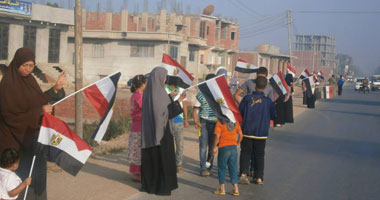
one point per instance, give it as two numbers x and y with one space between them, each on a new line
234 193
218 192
256 182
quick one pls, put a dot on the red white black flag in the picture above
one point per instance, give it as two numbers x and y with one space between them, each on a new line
220 99
244 67
177 75
291 70
305 74
102 96
279 84
64 146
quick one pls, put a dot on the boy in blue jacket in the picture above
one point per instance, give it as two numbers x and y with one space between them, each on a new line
257 111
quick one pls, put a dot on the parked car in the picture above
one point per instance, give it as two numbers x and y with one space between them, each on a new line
375 82
358 82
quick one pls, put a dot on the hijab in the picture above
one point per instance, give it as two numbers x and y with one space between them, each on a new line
155 114
21 101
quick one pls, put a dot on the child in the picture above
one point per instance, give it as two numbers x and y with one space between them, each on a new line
227 156
10 184
134 138
257 111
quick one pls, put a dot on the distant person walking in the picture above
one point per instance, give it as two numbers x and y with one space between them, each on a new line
333 83
340 85
134 138
158 165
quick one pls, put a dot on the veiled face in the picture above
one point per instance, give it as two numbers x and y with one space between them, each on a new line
26 68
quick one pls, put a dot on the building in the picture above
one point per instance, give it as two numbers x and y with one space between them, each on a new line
315 52
268 56
132 43
345 64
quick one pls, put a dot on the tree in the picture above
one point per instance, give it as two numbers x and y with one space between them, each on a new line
55 5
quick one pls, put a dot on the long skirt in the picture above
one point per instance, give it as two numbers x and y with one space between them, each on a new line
311 101
37 190
134 152
280 111
289 110
158 167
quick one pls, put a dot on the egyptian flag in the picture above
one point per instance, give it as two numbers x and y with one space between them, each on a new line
310 84
279 84
304 74
328 92
64 146
291 70
220 99
320 75
244 67
177 75
102 95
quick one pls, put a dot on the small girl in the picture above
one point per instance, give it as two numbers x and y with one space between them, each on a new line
134 139
10 184
226 141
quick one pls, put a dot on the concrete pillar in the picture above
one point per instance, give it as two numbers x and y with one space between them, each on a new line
16 39
144 21
108 21
63 57
124 20
42 45
172 23
188 24
84 17
163 21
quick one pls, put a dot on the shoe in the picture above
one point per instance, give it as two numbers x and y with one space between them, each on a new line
256 182
218 192
205 173
234 193
244 180
179 169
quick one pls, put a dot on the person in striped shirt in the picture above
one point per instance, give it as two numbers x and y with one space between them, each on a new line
205 120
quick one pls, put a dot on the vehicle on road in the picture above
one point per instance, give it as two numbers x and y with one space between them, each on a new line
364 88
375 82
358 82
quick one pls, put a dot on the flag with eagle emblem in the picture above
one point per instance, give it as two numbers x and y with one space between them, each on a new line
220 99
177 75
244 67
279 84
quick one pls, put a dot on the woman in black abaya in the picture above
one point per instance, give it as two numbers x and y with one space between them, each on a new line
289 104
158 166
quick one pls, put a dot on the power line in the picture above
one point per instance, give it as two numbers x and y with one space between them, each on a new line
335 12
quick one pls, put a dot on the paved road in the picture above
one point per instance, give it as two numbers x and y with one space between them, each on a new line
331 152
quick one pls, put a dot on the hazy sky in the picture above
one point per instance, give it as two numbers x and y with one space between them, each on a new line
263 22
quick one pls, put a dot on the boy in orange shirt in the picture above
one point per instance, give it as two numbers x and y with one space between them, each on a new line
227 142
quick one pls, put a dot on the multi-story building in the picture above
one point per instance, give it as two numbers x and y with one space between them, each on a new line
315 52
126 42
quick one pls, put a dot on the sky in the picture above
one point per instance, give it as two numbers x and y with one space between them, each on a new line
264 22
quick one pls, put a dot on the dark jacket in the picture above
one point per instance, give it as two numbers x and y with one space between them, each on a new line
257 111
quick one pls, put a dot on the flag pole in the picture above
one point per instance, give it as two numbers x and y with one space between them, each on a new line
72 94
203 82
30 175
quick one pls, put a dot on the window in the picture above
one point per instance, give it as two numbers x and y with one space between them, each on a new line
208 30
98 50
142 50
4 35
232 35
202 58
192 55
202 29
174 52
54 44
224 31
217 33
30 37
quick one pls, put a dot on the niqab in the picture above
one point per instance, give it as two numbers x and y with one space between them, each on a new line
21 101
155 112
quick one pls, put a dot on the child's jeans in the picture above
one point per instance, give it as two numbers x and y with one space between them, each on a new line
206 141
227 156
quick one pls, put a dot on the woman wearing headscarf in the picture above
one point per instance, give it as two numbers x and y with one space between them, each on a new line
21 106
289 103
158 164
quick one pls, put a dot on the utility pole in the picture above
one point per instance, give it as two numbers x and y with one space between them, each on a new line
289 16
78 69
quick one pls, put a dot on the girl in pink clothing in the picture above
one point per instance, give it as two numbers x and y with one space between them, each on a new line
134 139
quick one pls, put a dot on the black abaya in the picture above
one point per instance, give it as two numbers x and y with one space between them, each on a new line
289 104
280 111
158 165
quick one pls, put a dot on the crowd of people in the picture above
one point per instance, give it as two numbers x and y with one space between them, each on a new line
156 142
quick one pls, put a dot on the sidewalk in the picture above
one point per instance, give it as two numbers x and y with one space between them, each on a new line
106 176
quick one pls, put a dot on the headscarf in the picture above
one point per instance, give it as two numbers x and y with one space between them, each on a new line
221 71
21 101
155 112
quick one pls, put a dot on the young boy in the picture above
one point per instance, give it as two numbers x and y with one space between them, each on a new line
226 140
257 111
10 184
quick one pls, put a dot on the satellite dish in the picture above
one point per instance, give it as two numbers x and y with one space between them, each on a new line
208 10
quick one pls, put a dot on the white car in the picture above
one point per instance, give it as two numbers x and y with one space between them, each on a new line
358 82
